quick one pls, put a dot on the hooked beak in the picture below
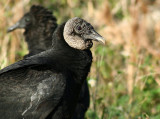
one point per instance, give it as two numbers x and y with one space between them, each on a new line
20 24
95 36
12 28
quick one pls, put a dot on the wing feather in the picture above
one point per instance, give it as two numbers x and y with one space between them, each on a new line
30 92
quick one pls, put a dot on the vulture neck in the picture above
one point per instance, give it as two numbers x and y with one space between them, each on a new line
73 60
38 36
35 39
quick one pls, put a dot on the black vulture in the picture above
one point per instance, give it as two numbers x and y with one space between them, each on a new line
47 85
39 25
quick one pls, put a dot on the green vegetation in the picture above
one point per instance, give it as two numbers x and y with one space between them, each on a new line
124 79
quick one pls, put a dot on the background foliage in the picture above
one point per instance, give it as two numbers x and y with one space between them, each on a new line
124 79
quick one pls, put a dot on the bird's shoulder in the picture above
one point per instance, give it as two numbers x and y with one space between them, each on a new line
42 59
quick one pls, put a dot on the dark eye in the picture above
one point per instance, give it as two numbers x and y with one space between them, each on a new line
79 28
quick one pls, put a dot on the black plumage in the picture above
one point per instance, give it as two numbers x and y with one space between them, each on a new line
47 85
39 25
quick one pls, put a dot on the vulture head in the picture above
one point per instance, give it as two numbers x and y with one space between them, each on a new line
37 16
79 34
24 22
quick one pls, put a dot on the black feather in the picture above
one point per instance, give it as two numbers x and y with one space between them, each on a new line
38 34
44 85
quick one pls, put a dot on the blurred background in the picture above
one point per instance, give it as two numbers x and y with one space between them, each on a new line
125 76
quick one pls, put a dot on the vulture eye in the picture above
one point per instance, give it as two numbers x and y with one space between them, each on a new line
27 19
79 28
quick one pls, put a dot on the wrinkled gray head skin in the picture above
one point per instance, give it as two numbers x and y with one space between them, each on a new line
79 34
